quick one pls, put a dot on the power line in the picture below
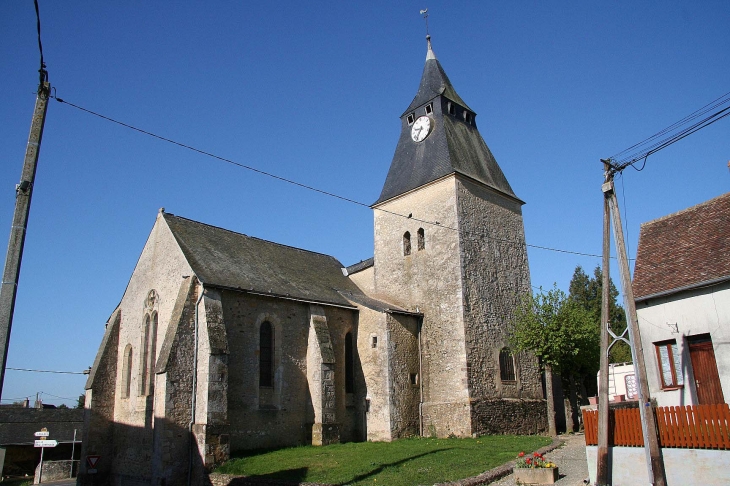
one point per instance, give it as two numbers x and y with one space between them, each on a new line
50 371
56 396
305 186
655 143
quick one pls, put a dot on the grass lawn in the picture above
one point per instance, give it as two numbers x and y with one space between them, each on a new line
405 462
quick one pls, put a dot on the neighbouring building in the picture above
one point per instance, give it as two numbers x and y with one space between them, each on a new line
682 292
18 426
224 342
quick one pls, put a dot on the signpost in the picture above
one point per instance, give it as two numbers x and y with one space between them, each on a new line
43 443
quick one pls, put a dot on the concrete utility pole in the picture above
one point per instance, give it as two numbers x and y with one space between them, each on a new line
655 462
23 193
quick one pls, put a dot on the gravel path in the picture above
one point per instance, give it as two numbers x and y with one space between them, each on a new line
571 461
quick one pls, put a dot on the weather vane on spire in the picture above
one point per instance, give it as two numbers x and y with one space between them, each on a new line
424 12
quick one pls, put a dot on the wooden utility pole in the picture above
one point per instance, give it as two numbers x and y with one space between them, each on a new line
602 469
655 462
23 193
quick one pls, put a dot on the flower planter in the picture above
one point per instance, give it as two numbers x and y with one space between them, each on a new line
536 475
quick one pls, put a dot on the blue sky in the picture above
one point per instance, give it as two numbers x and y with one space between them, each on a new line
313 91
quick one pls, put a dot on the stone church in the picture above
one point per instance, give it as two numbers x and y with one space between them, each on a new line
224 342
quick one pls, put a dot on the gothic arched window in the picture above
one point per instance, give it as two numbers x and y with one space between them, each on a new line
266 355
144 357
406 243
506 365
349 365
127 371
421 239
151 355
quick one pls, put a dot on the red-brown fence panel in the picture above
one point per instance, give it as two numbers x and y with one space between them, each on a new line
691 426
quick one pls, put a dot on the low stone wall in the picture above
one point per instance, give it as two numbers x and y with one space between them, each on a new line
509 416
627 466
54 470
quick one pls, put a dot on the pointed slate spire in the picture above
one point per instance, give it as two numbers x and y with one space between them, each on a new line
434 82
453 144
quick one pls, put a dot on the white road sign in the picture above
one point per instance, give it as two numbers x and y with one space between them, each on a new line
42 433
46 443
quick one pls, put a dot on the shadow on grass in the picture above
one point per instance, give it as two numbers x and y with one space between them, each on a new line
380 468
279 478
298 475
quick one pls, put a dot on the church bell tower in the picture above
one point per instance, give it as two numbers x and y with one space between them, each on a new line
449 243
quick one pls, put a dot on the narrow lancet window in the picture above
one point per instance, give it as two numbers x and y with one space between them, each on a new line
127 371
266 355
349 365
144 357
421 239
406 243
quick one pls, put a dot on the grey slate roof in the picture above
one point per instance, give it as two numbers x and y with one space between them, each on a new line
378 305
434 82
358 267
223 258
453 145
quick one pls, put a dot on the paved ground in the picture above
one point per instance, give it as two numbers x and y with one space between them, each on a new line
571 461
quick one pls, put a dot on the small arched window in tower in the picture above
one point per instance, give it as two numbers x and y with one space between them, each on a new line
450 108
349 365
467 116
127 371
266 355
411 118
506 365
429 108
406 243
421 239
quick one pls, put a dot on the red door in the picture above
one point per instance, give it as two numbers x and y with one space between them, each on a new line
704 368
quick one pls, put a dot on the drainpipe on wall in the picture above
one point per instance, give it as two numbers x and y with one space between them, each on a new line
420 380
193 443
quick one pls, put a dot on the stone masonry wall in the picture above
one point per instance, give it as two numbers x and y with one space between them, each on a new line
509 416
282 415
372 351
153 287
98 433
404 375
365 279
173 391
496 276
429 281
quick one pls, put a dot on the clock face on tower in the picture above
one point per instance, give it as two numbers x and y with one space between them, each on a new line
421 128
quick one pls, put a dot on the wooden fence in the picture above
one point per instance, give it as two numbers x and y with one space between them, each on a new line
692 426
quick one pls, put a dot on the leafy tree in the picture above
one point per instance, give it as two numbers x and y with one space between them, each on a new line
82 401
587 292
63 405
558 331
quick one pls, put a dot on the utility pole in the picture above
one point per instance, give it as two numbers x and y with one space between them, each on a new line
23 193
654 460
602 468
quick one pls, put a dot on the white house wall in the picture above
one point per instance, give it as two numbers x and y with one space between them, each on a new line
689 313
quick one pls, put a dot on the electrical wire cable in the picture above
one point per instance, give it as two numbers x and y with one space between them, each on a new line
306 186
56 396
48 371
654 143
